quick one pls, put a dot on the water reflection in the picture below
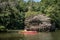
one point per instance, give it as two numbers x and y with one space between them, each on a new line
44 36
56 35
10 36
38 36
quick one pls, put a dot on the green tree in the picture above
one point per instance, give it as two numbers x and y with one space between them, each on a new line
11 16
51 8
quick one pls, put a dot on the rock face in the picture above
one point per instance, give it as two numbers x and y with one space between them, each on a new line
39 23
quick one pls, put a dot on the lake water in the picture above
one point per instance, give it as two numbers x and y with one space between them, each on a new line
38 36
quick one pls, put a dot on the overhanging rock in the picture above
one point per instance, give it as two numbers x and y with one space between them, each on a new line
39 22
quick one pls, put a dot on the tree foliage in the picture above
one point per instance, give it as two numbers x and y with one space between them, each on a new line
11 14
14 12
51 8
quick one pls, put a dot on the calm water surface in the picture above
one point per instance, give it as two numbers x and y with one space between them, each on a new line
38 36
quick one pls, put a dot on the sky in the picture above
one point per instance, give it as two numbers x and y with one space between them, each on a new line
34 0
37 0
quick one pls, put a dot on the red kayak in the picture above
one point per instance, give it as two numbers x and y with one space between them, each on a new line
29 32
